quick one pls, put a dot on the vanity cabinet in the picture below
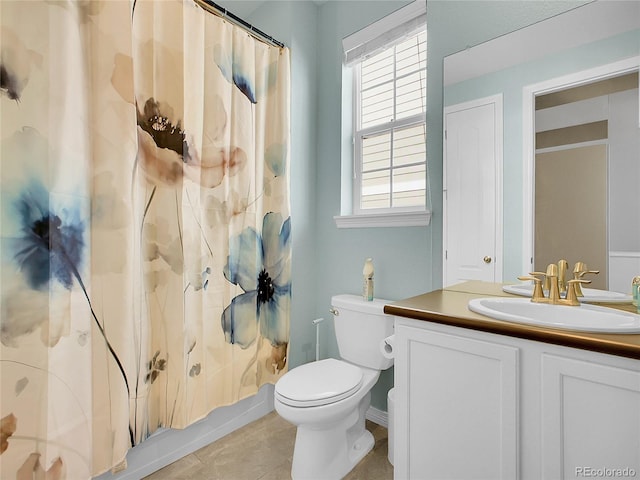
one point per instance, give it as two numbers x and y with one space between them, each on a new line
477 405
590 416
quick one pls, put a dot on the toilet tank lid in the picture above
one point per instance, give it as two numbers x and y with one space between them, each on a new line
359 304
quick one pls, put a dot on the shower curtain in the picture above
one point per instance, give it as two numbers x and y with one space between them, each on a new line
145 235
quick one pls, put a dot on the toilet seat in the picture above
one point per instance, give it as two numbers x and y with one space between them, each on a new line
319 383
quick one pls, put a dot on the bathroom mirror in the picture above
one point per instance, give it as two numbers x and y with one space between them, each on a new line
579 67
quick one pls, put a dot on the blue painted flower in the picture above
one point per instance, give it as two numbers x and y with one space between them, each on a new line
261 266
230 65
52 242
275 156
51 248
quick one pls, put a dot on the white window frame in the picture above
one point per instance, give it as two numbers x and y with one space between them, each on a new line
372 39
360 134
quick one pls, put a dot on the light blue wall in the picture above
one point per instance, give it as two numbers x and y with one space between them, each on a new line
328 260
402 255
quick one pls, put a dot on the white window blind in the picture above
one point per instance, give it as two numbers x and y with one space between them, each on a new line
379 35
390 127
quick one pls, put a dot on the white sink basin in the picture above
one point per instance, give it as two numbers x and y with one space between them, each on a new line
584 318
591 295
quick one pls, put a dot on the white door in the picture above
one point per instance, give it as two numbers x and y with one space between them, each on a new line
472 203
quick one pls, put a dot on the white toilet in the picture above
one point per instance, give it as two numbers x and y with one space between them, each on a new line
328 399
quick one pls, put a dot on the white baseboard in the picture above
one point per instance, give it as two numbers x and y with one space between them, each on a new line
378 416
168 445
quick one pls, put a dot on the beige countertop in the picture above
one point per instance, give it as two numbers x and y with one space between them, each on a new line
449 306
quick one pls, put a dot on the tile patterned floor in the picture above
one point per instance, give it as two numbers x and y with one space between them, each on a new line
262 450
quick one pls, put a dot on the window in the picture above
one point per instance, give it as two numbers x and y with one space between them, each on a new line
388 63
390 128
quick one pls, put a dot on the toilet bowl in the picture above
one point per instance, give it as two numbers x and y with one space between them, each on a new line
327 400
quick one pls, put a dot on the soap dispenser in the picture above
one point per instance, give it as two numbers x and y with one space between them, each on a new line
367 287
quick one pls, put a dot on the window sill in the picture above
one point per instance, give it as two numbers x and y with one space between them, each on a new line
398 219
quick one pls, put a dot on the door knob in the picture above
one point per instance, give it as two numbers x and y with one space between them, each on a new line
487 259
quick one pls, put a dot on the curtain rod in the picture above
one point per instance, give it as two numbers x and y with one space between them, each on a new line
216 9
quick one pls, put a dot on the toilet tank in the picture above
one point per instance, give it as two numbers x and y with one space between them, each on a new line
360 326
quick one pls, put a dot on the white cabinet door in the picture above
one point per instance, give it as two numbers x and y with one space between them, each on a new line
472 198
456 412
473 405
590 419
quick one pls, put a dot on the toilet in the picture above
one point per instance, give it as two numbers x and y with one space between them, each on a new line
327 400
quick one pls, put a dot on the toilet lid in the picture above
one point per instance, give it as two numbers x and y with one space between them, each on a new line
319 383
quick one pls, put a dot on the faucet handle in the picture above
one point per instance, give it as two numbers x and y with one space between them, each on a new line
579 281
535 276
581 269
545 285
574 291
578 275
538 293
531 277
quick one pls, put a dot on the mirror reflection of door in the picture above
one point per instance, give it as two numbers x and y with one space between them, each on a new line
472 230
587 144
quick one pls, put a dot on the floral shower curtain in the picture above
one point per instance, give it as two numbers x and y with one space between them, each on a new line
144 231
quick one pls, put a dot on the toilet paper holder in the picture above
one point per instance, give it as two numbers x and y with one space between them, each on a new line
386 346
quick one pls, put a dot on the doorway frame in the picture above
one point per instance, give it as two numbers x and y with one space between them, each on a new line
529 93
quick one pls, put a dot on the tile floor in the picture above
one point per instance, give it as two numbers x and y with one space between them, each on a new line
262 450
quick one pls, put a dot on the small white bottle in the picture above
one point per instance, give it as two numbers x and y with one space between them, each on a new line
367 288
